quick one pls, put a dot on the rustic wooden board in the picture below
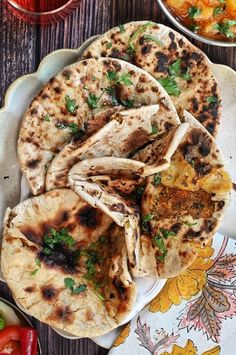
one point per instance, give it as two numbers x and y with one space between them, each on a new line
22 47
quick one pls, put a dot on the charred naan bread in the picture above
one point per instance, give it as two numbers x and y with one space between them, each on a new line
66 264
183 206
70 101
182 69
126 132
92 180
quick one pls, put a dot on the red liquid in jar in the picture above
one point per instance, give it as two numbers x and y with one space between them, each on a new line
42 11
41 5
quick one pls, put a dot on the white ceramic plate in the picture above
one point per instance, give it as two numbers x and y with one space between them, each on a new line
13 188
18 97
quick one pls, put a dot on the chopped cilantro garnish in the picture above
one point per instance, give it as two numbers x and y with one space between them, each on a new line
194 11
92 101
218 11
146 219
77 132
129 103
70 284
33 273
170 85
211 99
152 39
54 238
158 240
109 45
70 104
157 179
190 224
122 28
38 262
46 118
224 28
131 49
124 78
112 75
175 68
2 322
194 27
154 129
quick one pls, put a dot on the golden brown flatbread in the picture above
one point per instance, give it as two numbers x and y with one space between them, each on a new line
182 69
66 264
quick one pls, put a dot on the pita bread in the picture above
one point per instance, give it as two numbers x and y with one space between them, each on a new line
168 56
67 103
126 132
86 293
183 206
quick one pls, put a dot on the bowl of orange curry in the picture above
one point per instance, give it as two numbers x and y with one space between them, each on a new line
210 21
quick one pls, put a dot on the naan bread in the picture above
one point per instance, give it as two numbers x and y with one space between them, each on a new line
90 179
168 56
126 132
74 97
81 285
183 206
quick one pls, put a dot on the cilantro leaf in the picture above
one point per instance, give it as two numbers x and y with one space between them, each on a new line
154 129
69 283
77 132
112 75
176 70
170 85
109 45
194 11
211 99
33 273
2 322
218 11
194 27
79 289
157 179
92 101
158 240
46 118
224 28
121 28
70 104
38 262
145 220
175 67
125 79
54 238
75 290
129 103
153 39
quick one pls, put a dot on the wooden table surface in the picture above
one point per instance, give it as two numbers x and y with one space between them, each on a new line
22 47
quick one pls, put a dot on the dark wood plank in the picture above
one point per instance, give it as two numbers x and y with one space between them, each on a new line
22 46
17 49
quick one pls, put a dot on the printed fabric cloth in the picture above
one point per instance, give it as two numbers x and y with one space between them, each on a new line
194 314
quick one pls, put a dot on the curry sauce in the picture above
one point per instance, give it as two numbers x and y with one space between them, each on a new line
215 19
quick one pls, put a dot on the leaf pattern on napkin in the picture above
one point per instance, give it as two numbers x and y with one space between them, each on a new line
160 341
217 300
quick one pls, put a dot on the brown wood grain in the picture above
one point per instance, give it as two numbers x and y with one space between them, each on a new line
22 47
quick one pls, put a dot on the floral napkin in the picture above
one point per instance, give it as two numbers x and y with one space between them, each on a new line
194 314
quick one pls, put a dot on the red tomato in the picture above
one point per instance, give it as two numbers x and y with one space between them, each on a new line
12 332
